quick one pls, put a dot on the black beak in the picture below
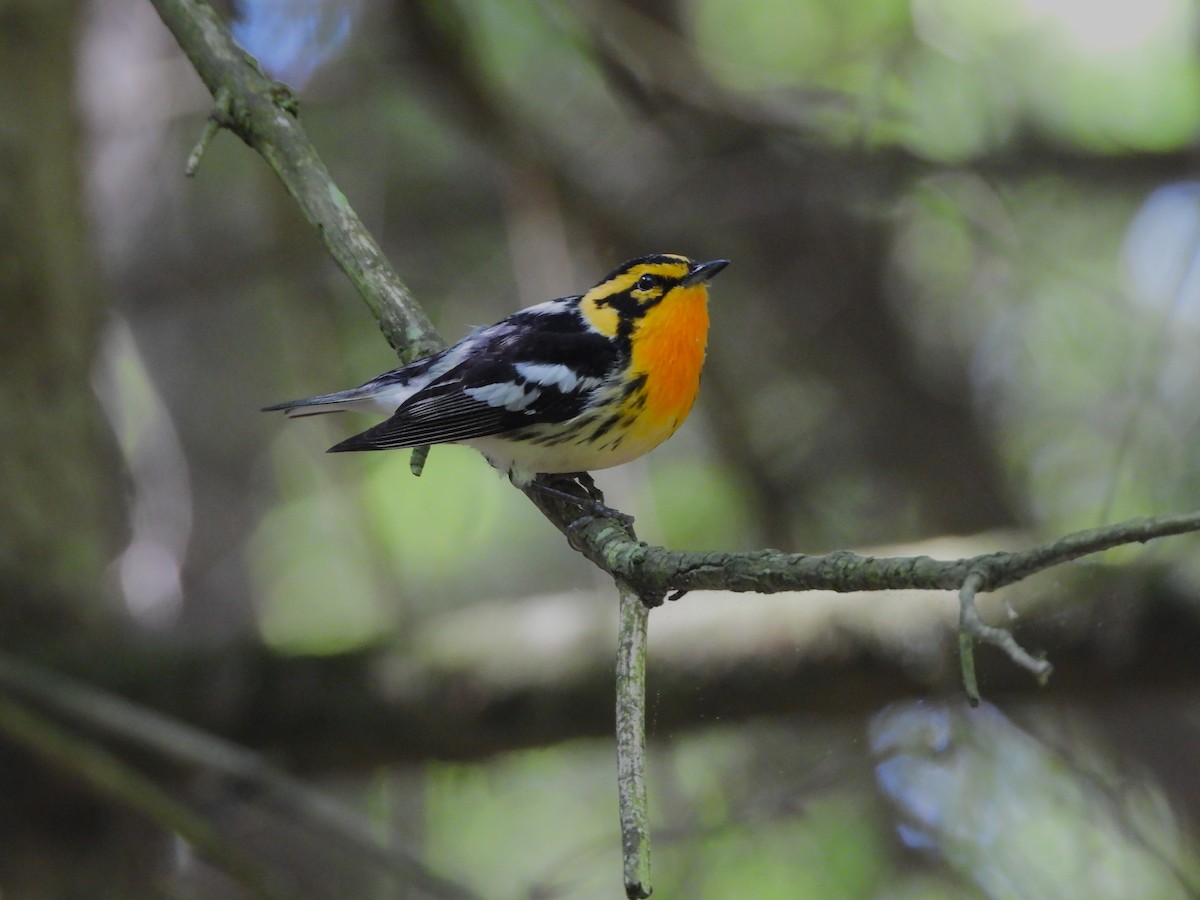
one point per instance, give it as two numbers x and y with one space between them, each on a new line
704 271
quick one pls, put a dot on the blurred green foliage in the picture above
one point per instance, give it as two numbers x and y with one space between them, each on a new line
714 839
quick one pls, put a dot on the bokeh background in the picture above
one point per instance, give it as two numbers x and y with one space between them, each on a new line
963 314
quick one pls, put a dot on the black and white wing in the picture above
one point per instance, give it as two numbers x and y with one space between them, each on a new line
539 366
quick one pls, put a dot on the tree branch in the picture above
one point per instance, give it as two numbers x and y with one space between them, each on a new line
109 776
631 742
653 571
263 113
116 718
656 570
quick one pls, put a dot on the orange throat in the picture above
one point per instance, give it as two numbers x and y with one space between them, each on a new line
669 349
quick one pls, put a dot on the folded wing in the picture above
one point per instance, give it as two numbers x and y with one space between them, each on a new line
513 377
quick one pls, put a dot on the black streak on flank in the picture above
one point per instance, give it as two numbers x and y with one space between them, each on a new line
606 426
634 386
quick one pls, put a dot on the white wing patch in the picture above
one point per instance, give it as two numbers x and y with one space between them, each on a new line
556 375
508 394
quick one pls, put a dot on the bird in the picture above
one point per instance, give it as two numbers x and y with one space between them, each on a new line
583 382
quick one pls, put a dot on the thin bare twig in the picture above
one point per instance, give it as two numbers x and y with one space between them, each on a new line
631 742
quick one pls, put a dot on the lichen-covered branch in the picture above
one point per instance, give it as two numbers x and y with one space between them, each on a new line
263 114
656 570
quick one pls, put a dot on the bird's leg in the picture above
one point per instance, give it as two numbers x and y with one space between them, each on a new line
593 502
585 481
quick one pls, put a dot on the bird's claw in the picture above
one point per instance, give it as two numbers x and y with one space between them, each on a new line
593 503
600 511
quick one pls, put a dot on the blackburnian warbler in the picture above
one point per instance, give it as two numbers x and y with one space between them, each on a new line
579 383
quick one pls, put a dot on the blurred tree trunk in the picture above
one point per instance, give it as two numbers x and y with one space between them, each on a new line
59 497
59 485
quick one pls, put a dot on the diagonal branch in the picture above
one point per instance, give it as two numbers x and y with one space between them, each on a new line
263 113
116 718
109 776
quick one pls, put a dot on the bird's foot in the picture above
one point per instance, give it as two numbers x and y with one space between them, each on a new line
593 502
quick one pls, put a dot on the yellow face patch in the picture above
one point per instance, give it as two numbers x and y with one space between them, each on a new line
603 318
642 282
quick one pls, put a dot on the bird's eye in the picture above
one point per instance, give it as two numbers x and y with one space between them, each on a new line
645 282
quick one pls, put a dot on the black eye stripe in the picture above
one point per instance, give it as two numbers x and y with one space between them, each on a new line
646 282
